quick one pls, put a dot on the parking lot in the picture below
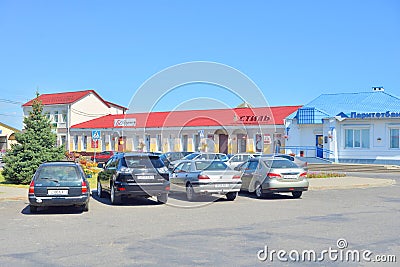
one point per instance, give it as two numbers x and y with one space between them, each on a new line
142 232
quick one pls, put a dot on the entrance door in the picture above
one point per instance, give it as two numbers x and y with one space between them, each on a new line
319 143
121 143
223 143
241 143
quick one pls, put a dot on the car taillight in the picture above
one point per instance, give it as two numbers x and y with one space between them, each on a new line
236 177
304 174
84 187
273 175
203 177
32 188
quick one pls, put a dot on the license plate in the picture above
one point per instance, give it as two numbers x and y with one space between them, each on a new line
145 177
222 185
57 192
290 177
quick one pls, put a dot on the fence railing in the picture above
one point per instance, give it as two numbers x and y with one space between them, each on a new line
308 151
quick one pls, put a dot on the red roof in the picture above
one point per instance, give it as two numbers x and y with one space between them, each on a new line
66 98
194 118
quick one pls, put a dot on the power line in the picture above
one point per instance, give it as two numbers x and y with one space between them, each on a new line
8 101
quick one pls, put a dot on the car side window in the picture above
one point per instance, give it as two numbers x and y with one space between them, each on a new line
109 162
252 165
243 166
186 166
179 168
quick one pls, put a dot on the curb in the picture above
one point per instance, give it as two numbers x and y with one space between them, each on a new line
348 183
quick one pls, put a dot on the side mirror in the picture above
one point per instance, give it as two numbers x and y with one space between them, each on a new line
100 165
237 168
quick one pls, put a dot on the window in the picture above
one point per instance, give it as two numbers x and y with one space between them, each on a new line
394 138
357 138
76 143
84 142
159 142
55 116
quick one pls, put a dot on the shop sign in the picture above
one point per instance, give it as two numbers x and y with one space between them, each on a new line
125 122
95 143
267 139
378 115
252 118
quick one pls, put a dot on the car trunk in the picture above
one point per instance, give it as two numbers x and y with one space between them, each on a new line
53 187
221 176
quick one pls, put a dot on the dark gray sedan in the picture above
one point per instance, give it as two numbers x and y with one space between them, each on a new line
59 184
206 177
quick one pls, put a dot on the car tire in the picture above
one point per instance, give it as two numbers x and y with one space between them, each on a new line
190 194
32 209
100 193
85 207
258 192
163 198
297 194
231 196
115 200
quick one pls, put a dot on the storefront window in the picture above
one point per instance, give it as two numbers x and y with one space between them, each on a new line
84 142
357 138
76 143
394 138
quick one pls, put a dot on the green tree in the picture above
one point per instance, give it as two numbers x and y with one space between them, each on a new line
35 145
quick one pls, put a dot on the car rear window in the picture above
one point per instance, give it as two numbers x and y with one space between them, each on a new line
58 173
280 164
144 162
191 156
210 165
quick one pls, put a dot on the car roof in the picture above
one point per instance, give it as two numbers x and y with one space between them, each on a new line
59 163
138 154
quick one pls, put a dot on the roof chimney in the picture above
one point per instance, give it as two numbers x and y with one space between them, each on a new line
378 89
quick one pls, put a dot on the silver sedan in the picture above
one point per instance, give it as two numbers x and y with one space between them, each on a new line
206 177
265 176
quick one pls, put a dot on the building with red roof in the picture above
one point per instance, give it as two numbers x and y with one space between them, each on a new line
69 108
220 130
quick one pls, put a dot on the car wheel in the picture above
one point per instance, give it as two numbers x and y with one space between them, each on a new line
231 196
297 194
258 191
85 207
115 200
190 194
32 209
99 190
163 198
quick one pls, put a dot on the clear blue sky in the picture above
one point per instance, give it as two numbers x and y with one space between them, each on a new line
293 50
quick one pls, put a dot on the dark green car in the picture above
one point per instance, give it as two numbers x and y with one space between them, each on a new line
59 184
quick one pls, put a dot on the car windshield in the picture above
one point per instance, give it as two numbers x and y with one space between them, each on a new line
280 164
58 173
143 162
210 165
105 153
191 156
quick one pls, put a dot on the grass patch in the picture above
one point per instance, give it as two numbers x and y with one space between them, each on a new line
3 182
325 175
92 182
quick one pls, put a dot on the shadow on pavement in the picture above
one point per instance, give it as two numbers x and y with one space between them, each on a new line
53 210
133 201
274 196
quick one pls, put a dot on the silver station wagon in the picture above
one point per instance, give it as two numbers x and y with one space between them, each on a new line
265 176
206 177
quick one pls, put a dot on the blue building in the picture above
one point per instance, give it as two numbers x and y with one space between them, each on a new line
347 127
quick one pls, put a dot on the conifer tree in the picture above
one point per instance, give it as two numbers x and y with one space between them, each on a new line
35 145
